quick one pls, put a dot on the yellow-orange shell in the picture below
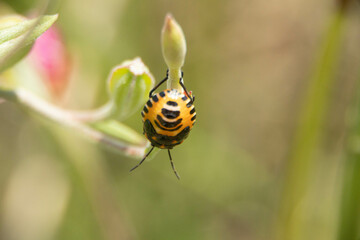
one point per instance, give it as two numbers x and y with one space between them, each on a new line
168 117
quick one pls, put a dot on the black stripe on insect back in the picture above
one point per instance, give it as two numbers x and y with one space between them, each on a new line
170 114
149 103
184 98
193 118
165 140
145 109
171 103
149 129
189 104
155 98
167 129
142 114
168 124
162 94
192 111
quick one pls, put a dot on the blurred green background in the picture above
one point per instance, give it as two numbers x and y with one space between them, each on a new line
266 132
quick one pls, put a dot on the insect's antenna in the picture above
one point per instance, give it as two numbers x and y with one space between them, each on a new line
183 86
142 159
172 165
158 85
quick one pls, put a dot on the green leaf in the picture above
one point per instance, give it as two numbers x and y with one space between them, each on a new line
129 85
120 131
16 40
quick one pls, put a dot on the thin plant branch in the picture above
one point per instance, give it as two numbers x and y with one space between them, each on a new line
72 119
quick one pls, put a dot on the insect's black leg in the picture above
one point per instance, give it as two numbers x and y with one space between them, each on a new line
142 159
183 86
172 165
158 85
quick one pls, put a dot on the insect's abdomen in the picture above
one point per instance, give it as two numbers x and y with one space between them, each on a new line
168 117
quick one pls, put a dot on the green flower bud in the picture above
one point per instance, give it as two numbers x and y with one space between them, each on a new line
173 49
173 43
129 85
17 35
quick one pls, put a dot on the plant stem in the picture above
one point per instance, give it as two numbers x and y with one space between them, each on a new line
174 77
91 116
308 134
71 119
350 205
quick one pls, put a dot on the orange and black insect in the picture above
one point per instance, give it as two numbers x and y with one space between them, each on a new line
168 117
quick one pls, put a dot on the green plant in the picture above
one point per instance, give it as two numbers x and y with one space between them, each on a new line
128 85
